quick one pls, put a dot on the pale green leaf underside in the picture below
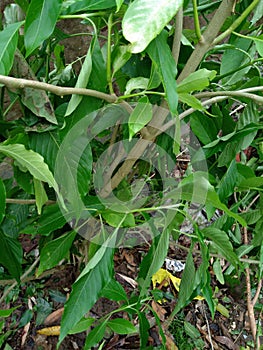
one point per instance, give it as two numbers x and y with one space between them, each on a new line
145 19
8 44
31 161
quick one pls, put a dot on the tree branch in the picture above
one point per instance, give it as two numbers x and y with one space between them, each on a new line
15 83
223 11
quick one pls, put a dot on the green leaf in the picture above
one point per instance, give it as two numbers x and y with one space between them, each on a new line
153 261
8 312
119 4
136 83
46 144
54 251
196 81
144 327
95 335
50 220
122 55
222 243
40 194
251 183
197 189
115 219
114 291
70 7
191 101
140 116
32 161
11 255
86 291
40 22
203 127
218 271
82 82
228 182
82 325
2 202
187 285
121 326
161 55
145 19
8 44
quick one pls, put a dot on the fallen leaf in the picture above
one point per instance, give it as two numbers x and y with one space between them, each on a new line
227 342
159 310
54 317
165 277
49 331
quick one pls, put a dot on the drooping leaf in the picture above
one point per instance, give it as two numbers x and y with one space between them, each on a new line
95 335
144 327
46 144
11 255
115 219
203 127
161 55
222 242
50 220
122 55
145 19
187 285
86 291
250 183
35 100
82 82
40 194
114 291
136 83
2 201
8 44
54 251
82 325
153 260
140 116
228 182
31 161
196 81
40 22
191 101
121 326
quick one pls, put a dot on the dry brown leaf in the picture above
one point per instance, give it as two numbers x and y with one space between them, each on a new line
170 345
129 258
54 317
25 333
129 280
227 342
159 310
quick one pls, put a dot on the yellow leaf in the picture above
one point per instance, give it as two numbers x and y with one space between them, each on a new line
165 277
223 311
49 331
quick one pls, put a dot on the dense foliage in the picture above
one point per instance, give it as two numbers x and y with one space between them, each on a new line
118 147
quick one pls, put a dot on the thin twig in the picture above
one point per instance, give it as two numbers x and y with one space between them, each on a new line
196 251
256 296
26 201
22 278
250 306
